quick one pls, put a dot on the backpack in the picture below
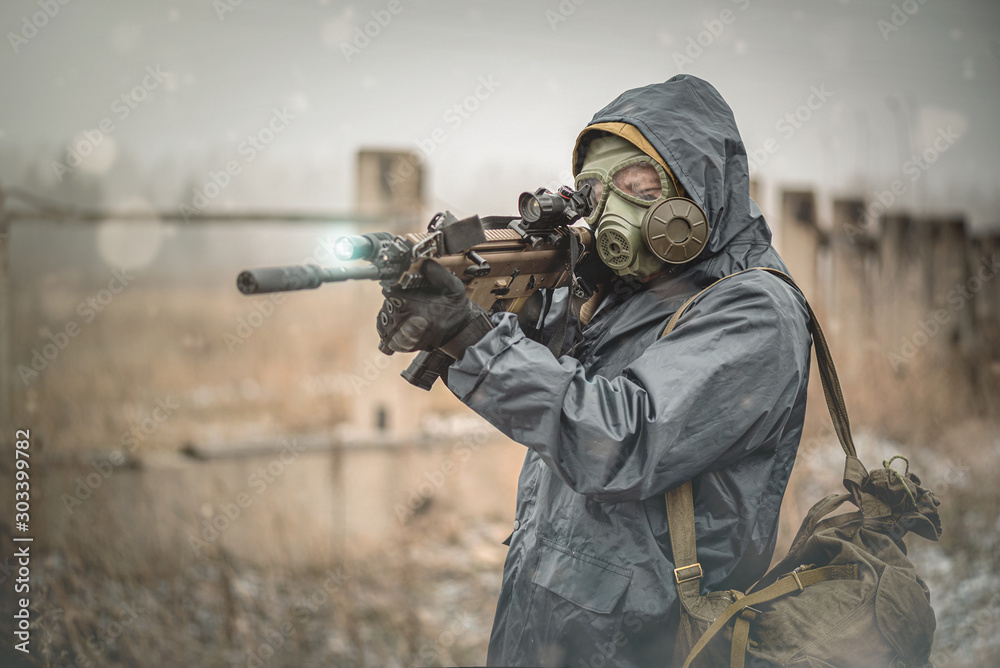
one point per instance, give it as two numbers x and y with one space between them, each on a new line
844 595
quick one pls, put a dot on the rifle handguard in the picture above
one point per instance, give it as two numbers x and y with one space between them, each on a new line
470 334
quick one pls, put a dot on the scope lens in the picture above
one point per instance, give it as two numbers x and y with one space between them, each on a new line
531 210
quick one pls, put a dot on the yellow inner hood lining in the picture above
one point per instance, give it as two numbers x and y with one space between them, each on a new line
629 133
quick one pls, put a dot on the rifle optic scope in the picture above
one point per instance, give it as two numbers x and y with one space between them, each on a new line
559 208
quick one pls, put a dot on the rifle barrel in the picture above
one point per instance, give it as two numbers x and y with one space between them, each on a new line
299 277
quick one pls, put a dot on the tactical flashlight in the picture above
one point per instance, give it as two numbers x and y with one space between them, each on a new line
355 247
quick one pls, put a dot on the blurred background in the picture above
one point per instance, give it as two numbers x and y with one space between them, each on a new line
221 480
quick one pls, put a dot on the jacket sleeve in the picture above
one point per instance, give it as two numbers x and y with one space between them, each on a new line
706 395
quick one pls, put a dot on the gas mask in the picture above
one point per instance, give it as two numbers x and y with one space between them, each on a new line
640 221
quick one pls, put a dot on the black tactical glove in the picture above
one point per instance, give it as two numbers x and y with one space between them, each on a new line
437 316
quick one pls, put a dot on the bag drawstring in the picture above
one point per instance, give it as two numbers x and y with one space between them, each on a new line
887 464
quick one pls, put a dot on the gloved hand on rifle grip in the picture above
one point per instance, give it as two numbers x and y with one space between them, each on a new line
436 316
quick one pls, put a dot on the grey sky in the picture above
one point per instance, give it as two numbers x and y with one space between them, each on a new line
541 69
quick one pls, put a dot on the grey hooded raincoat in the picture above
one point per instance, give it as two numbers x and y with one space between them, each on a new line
588 579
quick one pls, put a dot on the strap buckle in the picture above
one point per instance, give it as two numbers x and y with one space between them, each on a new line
795 575
687 578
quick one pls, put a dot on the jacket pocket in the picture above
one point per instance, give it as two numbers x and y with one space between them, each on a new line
575 611
589 582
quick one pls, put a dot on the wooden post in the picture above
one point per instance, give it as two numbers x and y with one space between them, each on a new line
851 312
800 238
390 186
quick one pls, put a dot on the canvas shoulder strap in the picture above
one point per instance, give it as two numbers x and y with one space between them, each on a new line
680 501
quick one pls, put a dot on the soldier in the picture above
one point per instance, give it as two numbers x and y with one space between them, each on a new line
627 414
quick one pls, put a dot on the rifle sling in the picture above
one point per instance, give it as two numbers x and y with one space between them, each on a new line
559 335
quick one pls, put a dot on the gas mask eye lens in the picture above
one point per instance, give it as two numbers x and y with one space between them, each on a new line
640 180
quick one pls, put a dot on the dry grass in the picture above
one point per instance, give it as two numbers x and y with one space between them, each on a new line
428 601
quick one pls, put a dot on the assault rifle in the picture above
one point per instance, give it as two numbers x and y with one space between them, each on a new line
502 260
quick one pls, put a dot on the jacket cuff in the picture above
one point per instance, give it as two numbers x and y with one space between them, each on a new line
470 334
465 375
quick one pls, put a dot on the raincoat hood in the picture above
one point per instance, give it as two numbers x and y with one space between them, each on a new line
686 126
